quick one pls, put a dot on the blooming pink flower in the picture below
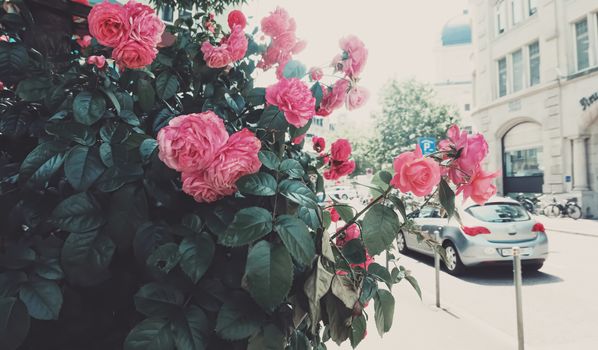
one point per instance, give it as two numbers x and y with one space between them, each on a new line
216 56
325 158
457 139
145 25
236 18
293 98
277 23
480 186
85 41
191 142
415 173
352 232
109 24
356 56
300 45
134 54
341 150
334 215
472 151
200 187
98 61
319 143
297 140
356 97
316 73
285 41
334 99
339 169
83 2
236 43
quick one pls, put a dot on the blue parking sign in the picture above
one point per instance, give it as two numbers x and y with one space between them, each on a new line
427 144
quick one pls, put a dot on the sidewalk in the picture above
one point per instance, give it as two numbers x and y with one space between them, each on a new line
420 325
583 227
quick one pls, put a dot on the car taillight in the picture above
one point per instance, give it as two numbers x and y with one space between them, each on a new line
475 230
538 227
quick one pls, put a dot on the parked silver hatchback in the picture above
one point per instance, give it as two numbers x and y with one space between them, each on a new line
485 236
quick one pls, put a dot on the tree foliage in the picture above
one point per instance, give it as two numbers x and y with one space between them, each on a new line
409 110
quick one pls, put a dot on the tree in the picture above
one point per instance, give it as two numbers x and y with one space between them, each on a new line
409 111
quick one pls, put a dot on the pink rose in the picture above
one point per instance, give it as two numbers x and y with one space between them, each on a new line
236 44
84 42
293 98
356 53
216 56
457 139
297 140
134 54
236 18
334 99
341 150
145 25
285 41
109 24
334 215
300 45
277 22
339 169
414 173
325 158
352 232
197 185
316 73
98 61
319 143
135 9
472 151
356 97
480 186
191 142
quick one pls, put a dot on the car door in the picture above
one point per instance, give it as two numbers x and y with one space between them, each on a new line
429 220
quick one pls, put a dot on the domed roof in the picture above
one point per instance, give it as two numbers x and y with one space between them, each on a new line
457 31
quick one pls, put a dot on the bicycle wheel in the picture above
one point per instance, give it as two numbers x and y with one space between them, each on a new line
552 210
574 211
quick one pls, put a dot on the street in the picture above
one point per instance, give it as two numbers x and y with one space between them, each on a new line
560 310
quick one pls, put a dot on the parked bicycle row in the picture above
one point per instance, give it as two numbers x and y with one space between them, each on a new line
553 208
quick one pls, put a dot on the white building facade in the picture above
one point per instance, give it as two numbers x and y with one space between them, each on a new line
535 94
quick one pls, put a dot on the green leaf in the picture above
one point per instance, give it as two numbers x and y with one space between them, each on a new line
299 341
43 299
49 268
345 290
10 283
339 319
385 176
236 107
147 148
268 274
167 85
128 210
164 258
17 257
295 132
115 102
381 273
354 251
316 286
73 131
257 96
400 206
88 107
14 323
384 308
259 184
310 217
292 168
298 193
117 176
39 165
85 258
296 237
129 117
150 334
146 95
318 93
238 318
273 119
269 160
78 213
379 184
191 330
379 228
193 222
158 300
269 338
358 328
413 282
196 253
33 89
82 167
294 69
447 198
114 132
346 212
248 225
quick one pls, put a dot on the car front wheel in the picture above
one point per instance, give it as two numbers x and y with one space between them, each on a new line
401 243
452 261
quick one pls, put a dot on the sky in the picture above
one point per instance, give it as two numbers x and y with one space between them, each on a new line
401 35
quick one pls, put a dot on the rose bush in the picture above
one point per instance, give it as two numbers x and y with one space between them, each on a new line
158 199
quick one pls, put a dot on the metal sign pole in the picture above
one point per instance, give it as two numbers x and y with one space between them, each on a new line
437 268
518 297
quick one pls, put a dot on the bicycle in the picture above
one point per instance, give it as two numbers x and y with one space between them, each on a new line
529 203
570 209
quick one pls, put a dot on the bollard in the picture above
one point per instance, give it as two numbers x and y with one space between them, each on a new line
437 267
518 283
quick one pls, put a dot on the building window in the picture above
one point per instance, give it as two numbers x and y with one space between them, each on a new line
502 77
517 78
582 44
467 107
167 13
534 64
516 11
319 121
331 127
185 13
501 17
522 163
532 7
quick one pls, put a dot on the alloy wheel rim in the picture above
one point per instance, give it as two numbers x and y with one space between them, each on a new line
400 241
451 258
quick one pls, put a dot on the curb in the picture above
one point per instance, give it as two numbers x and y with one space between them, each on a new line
572 232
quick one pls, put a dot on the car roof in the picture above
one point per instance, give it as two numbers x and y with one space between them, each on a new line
493 200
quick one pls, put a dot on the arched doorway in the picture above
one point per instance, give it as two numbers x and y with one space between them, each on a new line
523 170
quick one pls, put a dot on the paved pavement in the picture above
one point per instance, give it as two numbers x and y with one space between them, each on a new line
559 303
580 227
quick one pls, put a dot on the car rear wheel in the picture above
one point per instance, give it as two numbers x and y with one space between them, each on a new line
533 267
452 261
401 243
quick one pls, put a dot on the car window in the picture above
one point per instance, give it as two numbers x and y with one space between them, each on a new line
498 212
429 212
